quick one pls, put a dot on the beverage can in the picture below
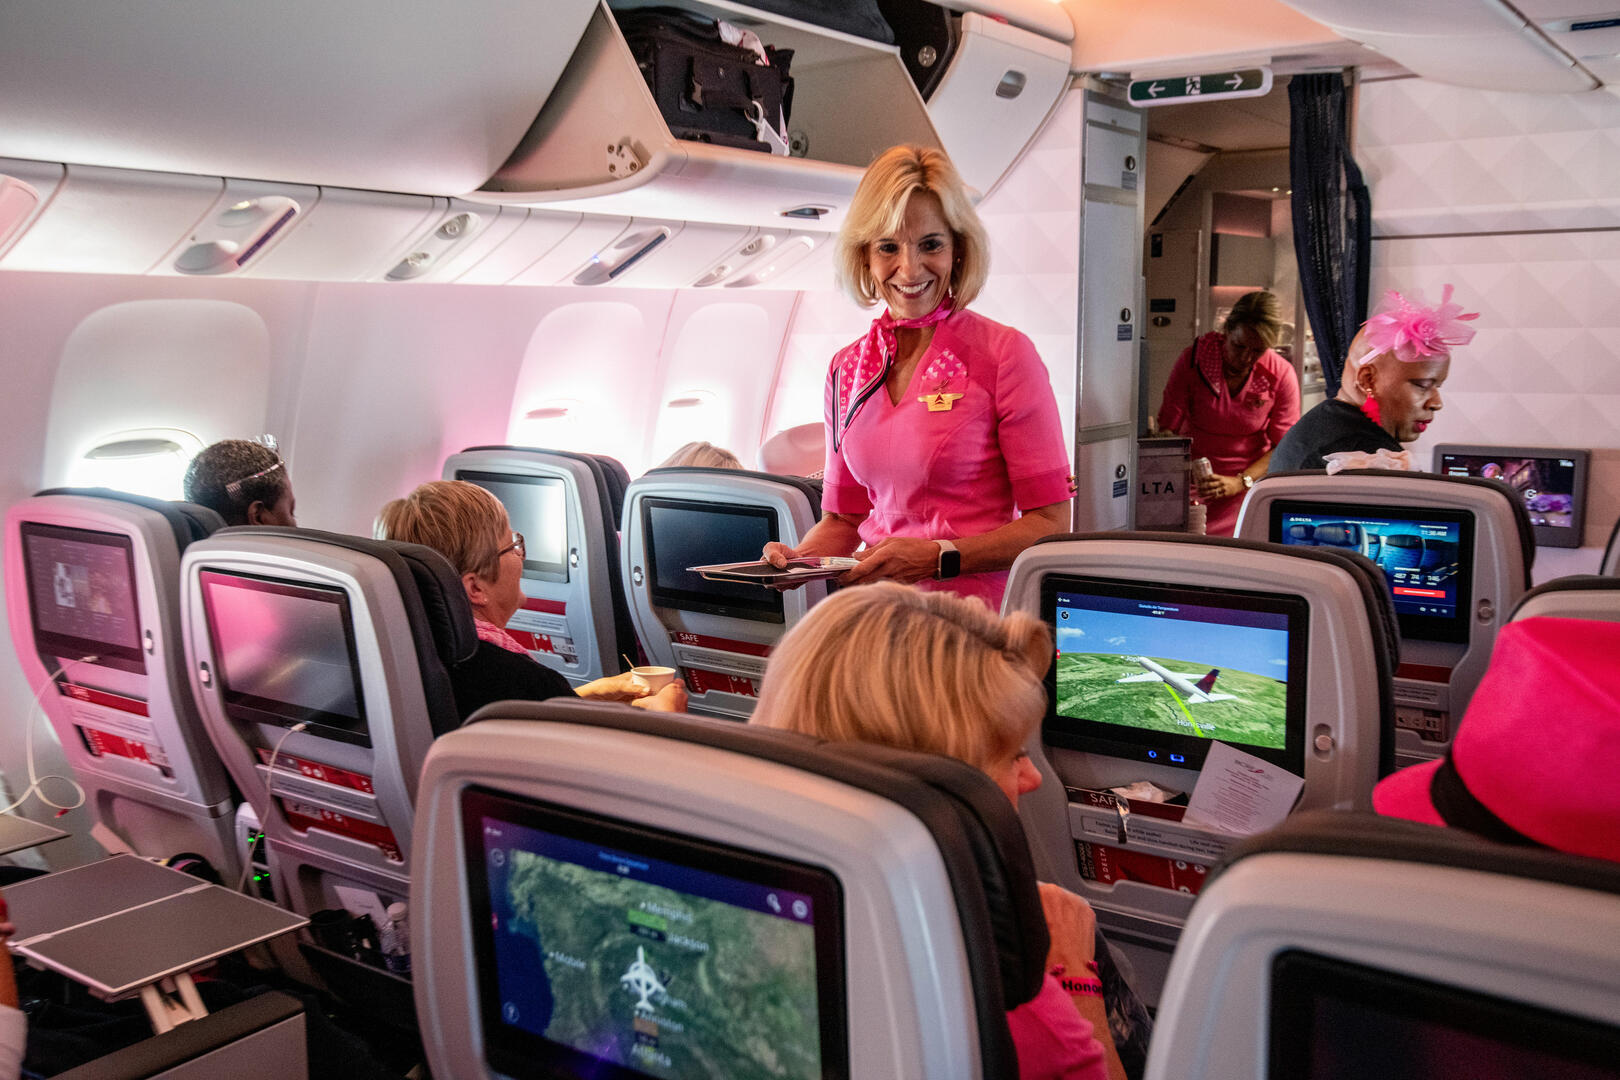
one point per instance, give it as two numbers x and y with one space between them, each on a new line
1202 469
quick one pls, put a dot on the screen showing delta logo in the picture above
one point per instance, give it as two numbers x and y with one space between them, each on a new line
1178 668
1421 559
82 587
605 957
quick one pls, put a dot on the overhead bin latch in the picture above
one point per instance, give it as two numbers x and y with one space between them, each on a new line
623 159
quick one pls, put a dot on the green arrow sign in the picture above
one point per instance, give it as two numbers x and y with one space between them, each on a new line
1250 82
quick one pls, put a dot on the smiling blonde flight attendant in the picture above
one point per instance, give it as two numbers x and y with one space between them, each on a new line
945 454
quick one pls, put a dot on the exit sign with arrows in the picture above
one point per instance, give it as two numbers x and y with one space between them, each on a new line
1249 82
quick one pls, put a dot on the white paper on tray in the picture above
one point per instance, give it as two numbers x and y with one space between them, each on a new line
1240 793
807 568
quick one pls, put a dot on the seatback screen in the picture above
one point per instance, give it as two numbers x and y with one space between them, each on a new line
1156 672
681 533
1334 1020
1551 483
538 508
81 592
1426 556
284 654
608 949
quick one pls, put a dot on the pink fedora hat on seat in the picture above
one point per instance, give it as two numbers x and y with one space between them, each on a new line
1536 758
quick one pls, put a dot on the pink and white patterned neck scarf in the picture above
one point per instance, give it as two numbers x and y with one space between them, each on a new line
865 368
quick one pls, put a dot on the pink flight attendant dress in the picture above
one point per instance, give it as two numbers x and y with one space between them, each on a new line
1232 430
974 440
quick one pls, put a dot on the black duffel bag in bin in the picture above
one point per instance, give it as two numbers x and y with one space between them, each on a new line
708 91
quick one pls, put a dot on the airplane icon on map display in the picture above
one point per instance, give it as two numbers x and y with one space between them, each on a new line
1194 693
641 979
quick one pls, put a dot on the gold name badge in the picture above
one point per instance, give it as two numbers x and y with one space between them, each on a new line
939 402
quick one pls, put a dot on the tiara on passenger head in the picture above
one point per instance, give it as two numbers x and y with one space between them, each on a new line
1416 331
234 488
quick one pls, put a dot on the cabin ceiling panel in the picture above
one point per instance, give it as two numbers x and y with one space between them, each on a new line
1135 35
1480 43
413 96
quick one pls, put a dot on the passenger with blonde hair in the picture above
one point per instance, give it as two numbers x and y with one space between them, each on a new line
942 674
468 526
945 454
701 455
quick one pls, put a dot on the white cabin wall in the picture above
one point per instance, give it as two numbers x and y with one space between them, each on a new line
39 314
1033 218
1512 198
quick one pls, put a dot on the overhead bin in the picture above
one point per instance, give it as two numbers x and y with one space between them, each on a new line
413 96
601 144
1483 44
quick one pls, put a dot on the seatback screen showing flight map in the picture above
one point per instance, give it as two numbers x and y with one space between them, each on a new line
609 949
1156 672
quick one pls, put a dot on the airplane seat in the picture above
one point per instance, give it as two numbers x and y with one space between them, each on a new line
681 873
262 1038
1611 553
1167 644
1402 552
352 638
567 506
1340 535
93 595
717 634
1579 596
1350 945
1456 553
617 478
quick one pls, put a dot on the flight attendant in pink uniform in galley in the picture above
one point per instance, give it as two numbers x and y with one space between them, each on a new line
1237 398
945 453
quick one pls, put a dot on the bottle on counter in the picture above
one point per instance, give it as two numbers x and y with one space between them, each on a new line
396 940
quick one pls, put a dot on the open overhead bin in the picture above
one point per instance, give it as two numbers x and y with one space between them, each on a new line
602 145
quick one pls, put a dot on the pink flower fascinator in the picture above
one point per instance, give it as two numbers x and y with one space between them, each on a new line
1415 331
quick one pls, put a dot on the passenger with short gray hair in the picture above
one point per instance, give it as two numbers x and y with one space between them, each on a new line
468 526
245 481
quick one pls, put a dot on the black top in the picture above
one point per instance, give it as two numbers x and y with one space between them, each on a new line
1332 427
497 674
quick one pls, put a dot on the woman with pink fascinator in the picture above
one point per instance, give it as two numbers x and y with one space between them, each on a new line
1390 390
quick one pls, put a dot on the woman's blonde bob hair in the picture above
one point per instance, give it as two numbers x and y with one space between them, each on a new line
928 671
701 455
879 207
461 521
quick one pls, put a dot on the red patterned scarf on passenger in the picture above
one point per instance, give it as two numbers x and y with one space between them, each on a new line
495 635
865 367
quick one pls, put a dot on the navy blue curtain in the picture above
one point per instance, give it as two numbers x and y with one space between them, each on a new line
1332 217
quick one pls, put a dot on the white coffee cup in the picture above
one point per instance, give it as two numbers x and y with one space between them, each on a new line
652 679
